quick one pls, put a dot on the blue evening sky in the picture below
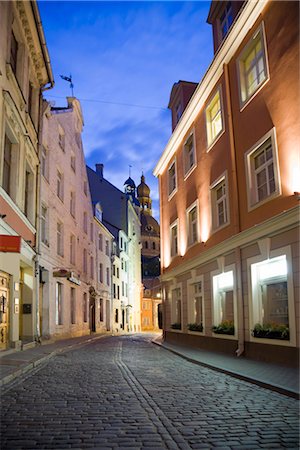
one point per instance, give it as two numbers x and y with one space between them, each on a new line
122 54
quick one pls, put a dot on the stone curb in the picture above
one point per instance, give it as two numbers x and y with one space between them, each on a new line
264 384
34 364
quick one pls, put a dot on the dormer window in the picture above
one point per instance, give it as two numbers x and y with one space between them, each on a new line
226 20
179 111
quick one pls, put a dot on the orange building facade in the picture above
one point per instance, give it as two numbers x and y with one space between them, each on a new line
229 191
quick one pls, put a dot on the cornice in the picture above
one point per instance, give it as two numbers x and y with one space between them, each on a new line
282 222
244 23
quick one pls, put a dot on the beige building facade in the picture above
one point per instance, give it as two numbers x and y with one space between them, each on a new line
25 73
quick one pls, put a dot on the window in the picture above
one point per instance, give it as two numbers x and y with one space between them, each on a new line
61 140
107 247
44 224
101 317
214 120
29 200
100 242
196 304
179 111
72 203
226 20
118 272
146 321
59 239
7 163
123 289
73 163
189 156
85 189
176 308
72 306
224 308
252 66
114 270
146 244
13 53
85 222
92 267
114 290
219 204
101 273
44 163
85 307
172 178
118 292
153 246
58 304
174 240
262 171
72 249
30 99
116 315
192 222
60 185
85 260
107 276
92 232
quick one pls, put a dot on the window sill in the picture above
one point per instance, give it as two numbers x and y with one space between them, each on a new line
212 144
244 104
189 172
254 206
170 196
230 337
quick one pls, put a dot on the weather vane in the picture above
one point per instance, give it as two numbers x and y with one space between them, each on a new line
69 79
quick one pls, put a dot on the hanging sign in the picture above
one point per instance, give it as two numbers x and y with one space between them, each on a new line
10 244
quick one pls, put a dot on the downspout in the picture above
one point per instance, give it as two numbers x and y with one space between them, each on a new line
237 224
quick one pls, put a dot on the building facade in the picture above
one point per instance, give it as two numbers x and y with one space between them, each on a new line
75 246
25 72
229 191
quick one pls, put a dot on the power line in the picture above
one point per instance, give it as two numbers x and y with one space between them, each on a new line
114 103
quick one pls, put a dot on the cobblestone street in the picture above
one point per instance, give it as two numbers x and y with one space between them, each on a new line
126 393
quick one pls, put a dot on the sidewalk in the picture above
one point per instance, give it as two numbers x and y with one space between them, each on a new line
284 380
16 363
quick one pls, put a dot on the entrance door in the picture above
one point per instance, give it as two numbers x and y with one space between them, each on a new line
3 311
92 315
160 316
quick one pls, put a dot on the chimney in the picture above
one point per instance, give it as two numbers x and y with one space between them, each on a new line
99 170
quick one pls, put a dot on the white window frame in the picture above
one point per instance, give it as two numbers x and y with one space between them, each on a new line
227 11
216 313
45 225
59 287
188 170
60 238
213 137
214 203
172 253
252 193
190 300
244 95
174 308
194 205
253 295
173 192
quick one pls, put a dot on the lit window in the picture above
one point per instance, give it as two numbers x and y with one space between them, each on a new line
214 120
224 303
192 222
262 171
219 204
226 20
59 239
174 240
172 178
270 299
189 154
176 309
252 66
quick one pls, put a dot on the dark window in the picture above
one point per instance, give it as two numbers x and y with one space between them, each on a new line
13 53
7 165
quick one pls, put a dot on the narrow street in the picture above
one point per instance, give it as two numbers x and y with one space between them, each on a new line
126 393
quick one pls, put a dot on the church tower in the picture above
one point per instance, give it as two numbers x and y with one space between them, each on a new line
143 194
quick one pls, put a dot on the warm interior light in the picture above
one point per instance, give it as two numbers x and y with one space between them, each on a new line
273 268
225 280
296 180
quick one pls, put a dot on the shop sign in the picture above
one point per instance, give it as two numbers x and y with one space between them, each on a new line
74 279
10 244
63 273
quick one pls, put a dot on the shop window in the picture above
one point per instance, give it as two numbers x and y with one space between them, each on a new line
224 303
252 66
270 299
214 118
58 304
195 305
172 178
262 171
176 309
73 305
189 155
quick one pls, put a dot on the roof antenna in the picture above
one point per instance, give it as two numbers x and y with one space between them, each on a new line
69 79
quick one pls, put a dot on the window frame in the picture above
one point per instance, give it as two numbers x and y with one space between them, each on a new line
173 225
176 315
194 205
210 138
242 83
252 196
173 192
188 171
214 212
195 279
60 238
44 224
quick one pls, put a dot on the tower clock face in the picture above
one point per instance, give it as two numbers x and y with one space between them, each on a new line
149 228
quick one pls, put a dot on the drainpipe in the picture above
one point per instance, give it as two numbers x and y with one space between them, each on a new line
236 219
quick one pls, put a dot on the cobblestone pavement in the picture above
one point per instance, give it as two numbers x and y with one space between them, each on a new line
126 393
